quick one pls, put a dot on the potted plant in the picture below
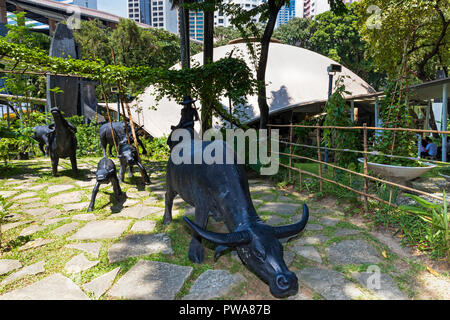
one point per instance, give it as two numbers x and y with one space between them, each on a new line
396 112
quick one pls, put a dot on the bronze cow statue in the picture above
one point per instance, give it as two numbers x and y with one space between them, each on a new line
62 142
223 190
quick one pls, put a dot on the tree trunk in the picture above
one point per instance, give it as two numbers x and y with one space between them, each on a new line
208 51
262 65
183 15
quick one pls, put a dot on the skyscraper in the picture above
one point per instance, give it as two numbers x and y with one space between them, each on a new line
155 13
287 12
220 18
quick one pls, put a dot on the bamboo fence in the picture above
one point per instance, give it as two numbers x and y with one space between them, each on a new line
365 175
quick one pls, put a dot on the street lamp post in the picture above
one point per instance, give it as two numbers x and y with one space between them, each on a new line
332 69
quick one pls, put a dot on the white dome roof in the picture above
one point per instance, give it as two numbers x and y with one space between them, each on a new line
294 76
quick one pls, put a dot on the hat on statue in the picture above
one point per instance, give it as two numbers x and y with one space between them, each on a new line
187 100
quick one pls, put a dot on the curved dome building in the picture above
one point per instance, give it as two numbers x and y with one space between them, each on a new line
297 80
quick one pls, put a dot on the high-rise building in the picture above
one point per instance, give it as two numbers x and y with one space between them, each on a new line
286 13
312 8
220 18
155 13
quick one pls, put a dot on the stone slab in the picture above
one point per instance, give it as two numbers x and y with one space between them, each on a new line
313 227
30 200
381 284
75 206
59 188
13 225
8 265
25 195
280 208
312 240
345 232
79 263
54 287
30 230
35 244
308 252
329 221
275 220
144 226
100 285
92 248
151 280
138 212
104 229
84 217
7 194
89 183
150 200
64 198
52 221
38 187
138 245
41 211
330 284
33 269
213 284
284 199
64 229
352 252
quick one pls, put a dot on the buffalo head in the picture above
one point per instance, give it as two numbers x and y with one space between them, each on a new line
128 153
259 248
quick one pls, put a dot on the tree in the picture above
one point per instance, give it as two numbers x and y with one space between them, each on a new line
268 11
390 26
335 36
223 35
297 32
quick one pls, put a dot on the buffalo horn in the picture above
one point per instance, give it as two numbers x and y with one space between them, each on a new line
224 239
293 229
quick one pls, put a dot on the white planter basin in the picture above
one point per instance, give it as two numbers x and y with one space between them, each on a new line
398 172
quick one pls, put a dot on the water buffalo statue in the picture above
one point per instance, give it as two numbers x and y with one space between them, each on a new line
62 142
223 190
128 157
106 173
106 138
41 134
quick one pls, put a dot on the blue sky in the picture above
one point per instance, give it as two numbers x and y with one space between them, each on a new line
117 7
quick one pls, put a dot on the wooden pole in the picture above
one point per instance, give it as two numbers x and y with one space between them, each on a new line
301 181
366 182
360 128
290 151
369 177
109 118
319 158
120 96
339 184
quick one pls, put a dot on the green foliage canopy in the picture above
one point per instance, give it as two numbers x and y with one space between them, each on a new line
420 26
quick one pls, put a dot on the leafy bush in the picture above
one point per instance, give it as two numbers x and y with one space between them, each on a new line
436 218
157 148
337 114
87 137
4 206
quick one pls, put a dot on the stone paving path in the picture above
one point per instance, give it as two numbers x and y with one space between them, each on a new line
56 250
